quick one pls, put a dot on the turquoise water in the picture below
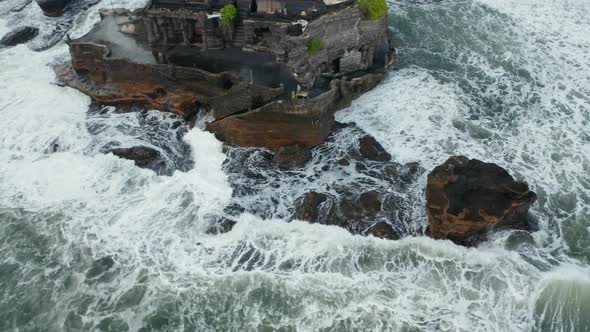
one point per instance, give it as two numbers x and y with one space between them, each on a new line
90 242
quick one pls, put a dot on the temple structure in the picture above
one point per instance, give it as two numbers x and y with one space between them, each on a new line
271 75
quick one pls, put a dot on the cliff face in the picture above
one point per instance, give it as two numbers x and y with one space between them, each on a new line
301 122
244 74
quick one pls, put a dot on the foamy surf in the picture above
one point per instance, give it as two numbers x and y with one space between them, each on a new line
91 242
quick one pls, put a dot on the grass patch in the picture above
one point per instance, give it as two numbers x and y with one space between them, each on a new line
314 45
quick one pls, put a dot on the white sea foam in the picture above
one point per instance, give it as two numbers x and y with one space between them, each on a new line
270 273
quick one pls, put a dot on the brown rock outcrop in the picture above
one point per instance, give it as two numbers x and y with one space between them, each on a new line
371 149
292 156
315 207
466 198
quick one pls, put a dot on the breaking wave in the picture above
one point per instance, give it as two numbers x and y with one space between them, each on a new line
91 242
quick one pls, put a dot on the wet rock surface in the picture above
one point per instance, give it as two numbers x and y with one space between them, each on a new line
315 207
349 181
143 157
337 186
291 156
223 225
466 198
371 149
384 230
52 30
19 36
155 138
52 8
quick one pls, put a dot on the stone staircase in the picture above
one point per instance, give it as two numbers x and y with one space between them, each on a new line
239 37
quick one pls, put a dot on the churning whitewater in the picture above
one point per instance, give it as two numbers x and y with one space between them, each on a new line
89 242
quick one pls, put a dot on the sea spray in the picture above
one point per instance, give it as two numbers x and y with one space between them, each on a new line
90 241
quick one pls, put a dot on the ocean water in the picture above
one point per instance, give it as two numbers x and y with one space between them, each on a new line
89 242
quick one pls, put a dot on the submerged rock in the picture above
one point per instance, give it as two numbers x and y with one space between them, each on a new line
337 186
361 213
315 207
384 230
52 8
373 150
100 266
223 225
466 198
143 157
19 36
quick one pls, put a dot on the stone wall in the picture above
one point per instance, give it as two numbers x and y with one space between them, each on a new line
93 59
165 28
224 93
350 43
244 96
304 123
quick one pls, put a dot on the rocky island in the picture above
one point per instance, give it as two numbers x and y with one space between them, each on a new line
271 74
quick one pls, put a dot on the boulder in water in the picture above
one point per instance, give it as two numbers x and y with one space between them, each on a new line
143 157
19 36
52 8
384 230
369 202
100 266
466 198
372 150
223 225
355 212
315 207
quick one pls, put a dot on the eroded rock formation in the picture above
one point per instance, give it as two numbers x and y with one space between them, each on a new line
466 198
19 36
143 157
368 207
364 213
371 149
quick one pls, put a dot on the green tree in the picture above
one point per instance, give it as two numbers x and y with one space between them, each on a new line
228 13
374 9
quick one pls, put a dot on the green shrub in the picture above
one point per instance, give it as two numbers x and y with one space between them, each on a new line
314 45
228 13
374 9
